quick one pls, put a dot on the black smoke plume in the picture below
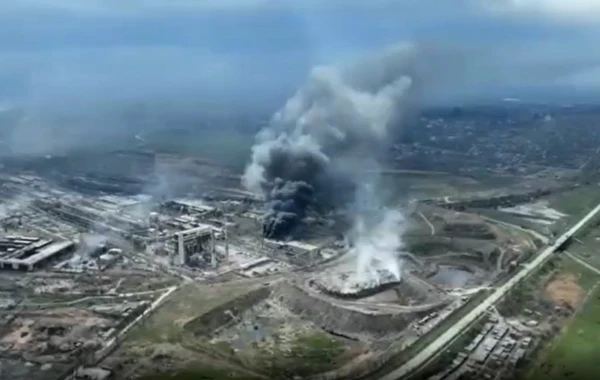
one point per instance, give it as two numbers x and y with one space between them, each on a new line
318 147
288 201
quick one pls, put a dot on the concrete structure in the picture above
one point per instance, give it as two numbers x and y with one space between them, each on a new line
195 240
26 253
493 354
226 237
92 218
191 206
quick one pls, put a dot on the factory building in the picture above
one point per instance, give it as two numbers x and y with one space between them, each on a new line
190 206
28 253
196 240
88 217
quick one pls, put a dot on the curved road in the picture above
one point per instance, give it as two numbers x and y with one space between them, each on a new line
450 334
431 226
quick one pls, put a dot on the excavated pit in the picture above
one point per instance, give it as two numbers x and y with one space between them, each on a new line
456 272
453 276
328 316
226 314
341 320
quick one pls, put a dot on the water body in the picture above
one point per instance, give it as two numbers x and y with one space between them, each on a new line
451 276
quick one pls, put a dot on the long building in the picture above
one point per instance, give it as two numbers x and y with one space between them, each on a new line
28 253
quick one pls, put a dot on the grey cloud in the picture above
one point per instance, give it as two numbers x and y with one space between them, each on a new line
82 71
564 11
91 55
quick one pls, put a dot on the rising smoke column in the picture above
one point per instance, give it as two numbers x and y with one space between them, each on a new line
375 242
326 136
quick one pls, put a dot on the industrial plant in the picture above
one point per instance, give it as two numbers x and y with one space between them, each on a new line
131 263
374 224
108 261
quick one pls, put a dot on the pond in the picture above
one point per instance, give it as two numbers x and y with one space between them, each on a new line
451 276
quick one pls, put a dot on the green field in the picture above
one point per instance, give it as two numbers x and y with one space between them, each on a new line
576 202
575 353
406 184
161 348
199 374
587 248
166 325
526 294
164 348
309 354
228 147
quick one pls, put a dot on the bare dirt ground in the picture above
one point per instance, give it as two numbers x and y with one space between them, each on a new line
160 344
564 289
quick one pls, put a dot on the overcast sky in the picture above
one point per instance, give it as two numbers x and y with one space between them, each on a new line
63 54
97 48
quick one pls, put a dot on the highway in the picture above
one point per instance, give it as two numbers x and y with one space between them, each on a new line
450 334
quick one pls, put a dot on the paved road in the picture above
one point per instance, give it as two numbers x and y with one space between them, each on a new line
589 266
431 226
435 346
541 237
89 298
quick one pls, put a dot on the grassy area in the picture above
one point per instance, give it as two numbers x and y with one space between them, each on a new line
586 279
574 354
308 354
228 147
513 219
302 354
160 346
587 247
576 202
434 185
526 295
199 374
191 301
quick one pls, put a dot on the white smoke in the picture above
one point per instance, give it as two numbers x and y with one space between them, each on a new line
340 108
330 133
14 205
377 246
